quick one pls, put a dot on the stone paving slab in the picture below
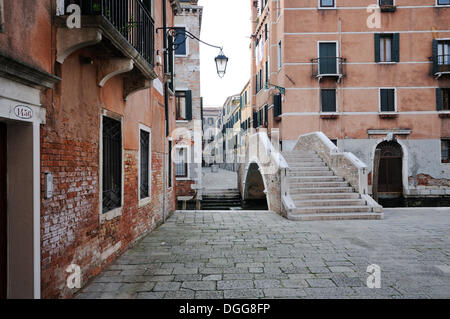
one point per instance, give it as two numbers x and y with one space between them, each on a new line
243 254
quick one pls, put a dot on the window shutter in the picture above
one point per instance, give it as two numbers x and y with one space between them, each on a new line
377 47
266 115
383 100
255 120
396 47
189 105
329 100
435 56
439 99
391 100
277 101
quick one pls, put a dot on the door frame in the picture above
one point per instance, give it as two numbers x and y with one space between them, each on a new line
405 167
337 55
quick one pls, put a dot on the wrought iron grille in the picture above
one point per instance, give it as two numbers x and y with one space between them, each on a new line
132 18
332 66
181 169
112 164
145 164
443 63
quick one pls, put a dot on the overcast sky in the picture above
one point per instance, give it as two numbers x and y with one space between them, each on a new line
227 24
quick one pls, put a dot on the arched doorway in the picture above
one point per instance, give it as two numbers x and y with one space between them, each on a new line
390 178
254 193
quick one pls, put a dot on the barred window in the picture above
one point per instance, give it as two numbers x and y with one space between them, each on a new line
112 164
145 165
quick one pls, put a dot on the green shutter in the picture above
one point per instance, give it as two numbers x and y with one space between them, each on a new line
189 105
377 47
396 47
435 56
266 115
383 100
439 99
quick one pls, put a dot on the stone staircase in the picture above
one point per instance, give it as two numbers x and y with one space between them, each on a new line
223 199
318 194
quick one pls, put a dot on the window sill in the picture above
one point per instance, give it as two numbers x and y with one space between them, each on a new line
329 116
387 8
182 121
327 8
182 178
144 202
112 214
444 113
387 63
388 115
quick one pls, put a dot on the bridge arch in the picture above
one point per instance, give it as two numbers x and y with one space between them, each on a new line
255 192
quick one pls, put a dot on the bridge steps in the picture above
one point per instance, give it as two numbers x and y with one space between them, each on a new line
319 194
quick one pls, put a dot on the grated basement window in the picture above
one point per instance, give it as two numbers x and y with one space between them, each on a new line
112 164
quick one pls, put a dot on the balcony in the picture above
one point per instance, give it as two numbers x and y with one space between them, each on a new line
123 34
387 6
329 67
441 65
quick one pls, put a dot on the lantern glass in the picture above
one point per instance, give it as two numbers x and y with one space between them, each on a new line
221 64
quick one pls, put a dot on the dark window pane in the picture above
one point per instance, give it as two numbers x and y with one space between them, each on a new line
112 164
328 100
387 97
145 164
180 41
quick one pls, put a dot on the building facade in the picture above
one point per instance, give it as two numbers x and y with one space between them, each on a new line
85 116
212 126
374 77
230 135
188 100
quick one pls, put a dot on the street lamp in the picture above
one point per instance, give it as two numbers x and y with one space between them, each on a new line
221 60
221 64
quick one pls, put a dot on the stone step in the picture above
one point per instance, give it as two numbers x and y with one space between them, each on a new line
305 173
298 197
302 158
332 209
318 184
307 164
316 179
329 202
299 153
311 190
309 169
338 216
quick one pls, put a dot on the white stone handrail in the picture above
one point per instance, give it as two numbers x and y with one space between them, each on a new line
344 164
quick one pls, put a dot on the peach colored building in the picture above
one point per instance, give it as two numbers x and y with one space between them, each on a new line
369 77
85 115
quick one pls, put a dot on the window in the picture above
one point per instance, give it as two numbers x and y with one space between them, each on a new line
387 47
180 42
266 32
328 58
279 56
445 151
170 175
111 164
181 162
267 72
387 100
326 4
328 97
444 52
148 4
443 2
277 105
2 17
183 104
144 164
385 3
278 8
443 99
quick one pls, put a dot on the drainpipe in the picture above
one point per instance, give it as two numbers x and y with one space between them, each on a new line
166 106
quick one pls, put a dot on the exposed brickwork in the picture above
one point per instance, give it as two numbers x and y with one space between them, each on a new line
184 188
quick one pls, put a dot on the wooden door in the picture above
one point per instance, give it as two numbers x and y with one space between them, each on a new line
391 166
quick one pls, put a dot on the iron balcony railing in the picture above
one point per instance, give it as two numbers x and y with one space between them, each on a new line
181 169
131 18
328 66
442 63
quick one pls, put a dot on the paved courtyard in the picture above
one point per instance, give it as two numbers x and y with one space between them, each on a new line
262 255
223 179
